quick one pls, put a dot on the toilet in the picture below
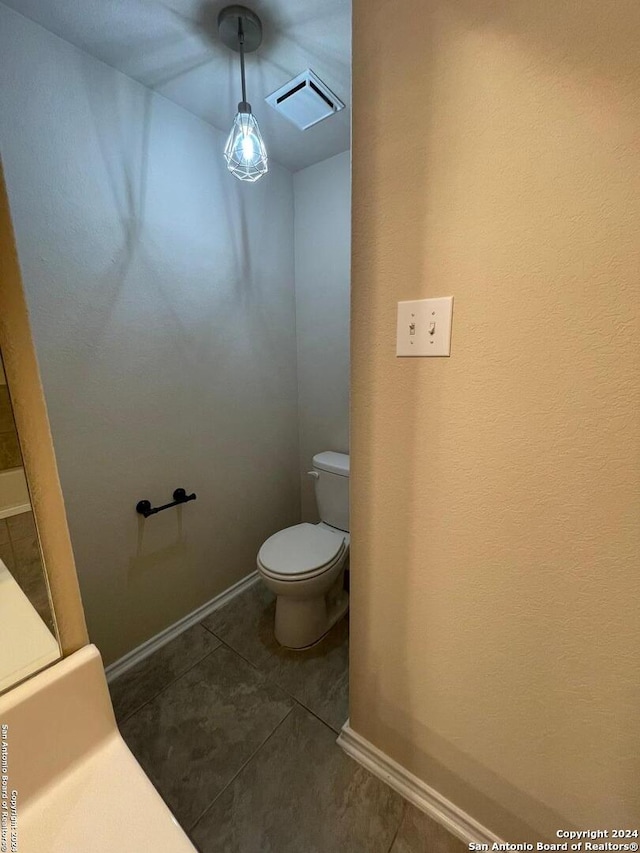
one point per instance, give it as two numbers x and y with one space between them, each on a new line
304 564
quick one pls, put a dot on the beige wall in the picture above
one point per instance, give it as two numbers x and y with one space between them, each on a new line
322 194
496 494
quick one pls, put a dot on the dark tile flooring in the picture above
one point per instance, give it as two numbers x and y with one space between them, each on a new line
239 737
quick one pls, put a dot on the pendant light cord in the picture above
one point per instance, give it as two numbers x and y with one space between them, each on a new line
241 43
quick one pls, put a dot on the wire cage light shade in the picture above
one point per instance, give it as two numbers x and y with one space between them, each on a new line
245 151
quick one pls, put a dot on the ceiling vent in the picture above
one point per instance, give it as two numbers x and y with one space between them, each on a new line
305 100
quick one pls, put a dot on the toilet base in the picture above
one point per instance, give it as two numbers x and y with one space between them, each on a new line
303 622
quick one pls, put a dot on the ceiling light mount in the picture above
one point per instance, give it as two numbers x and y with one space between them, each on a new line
251 26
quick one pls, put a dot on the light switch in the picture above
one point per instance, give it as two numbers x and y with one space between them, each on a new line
424 327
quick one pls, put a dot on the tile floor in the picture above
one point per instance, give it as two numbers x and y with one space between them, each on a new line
239 737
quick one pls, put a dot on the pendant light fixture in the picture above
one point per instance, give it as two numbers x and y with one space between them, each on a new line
241 30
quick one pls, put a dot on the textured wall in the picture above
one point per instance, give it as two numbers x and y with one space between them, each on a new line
161 293
496 494
322 249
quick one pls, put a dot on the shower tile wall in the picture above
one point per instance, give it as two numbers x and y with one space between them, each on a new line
9 448
20 552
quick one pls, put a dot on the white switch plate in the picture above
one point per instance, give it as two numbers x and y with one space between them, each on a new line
424 327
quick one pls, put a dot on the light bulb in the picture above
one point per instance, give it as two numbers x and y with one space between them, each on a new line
248 149
245 151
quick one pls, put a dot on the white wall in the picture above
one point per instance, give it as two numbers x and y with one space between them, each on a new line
322 251
161 293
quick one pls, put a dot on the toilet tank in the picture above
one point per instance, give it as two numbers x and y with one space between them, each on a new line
331 472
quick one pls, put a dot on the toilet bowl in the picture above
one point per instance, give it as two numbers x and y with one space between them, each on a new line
304 564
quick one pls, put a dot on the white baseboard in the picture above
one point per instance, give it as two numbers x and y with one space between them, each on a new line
152 645
425 798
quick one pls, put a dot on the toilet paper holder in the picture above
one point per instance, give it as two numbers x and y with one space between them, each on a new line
180 496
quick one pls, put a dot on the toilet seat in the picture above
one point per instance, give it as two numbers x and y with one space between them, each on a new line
300 552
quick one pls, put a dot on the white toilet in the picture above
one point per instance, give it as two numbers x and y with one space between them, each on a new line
304 564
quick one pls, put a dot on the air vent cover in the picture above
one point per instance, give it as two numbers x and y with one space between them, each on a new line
305 100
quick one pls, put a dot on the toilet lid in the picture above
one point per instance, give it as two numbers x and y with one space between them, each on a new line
300 549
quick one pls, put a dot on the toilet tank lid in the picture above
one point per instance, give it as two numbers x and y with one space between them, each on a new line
336 463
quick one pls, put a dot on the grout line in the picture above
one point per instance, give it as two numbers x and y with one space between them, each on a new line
165 687
396 833
168 635
246 660
268 678
235 776
258 669
213 633
320 720
279 686
261 672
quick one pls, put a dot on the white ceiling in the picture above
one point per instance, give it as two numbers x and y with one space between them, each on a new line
172 46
